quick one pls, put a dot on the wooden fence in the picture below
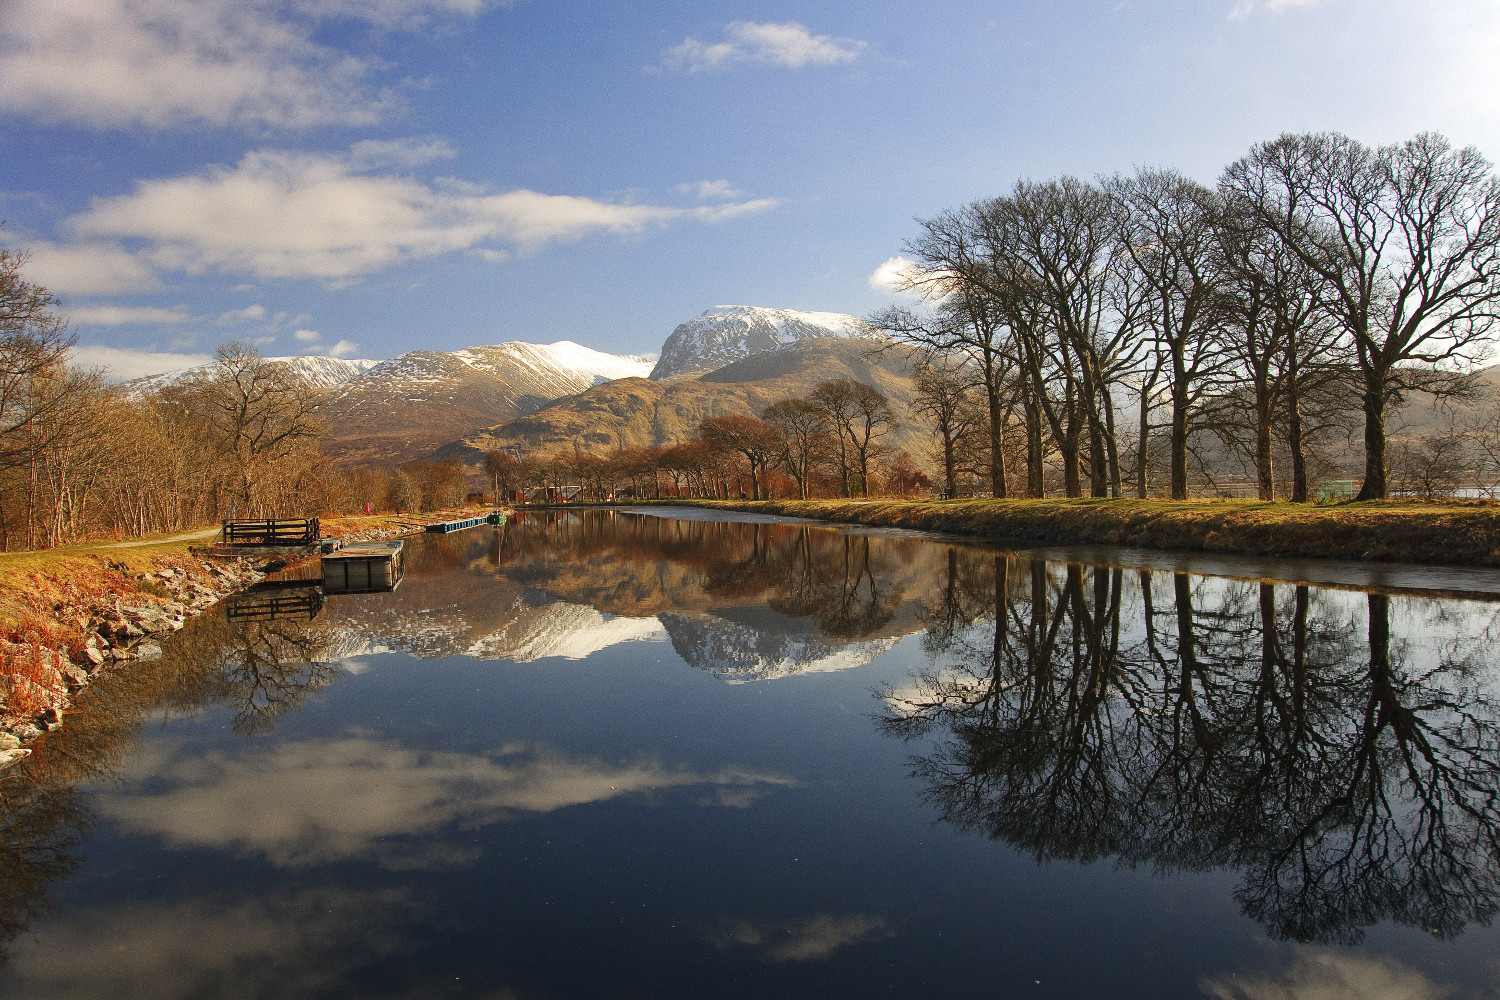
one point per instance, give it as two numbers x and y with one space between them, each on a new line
283 531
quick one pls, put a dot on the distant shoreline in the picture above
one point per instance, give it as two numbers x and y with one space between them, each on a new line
1443 534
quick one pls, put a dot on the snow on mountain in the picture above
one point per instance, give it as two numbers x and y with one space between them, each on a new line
725 334
412 403
322 373
571 631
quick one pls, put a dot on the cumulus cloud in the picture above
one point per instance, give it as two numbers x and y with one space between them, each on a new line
343 349
898 277
809 939
281 214
307 336
88 269
321 800
165 63
124 363
1329 976
790 45
112 315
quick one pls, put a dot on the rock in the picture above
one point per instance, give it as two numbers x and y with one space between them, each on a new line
11 756
94 656
8 742
50 718
77 676
148 651
167 573
127 632
26 731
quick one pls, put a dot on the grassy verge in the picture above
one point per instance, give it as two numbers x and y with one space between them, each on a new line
67 613
1457 534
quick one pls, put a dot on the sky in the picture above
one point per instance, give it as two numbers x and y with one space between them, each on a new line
360 178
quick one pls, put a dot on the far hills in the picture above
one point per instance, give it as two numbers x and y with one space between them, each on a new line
639 412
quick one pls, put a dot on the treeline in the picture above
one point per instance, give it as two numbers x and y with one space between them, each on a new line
80 459
833 442
1099 322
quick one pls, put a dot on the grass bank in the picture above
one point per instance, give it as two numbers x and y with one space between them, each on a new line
1455 534
68 613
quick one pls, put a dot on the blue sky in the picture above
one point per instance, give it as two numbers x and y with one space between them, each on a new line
366 177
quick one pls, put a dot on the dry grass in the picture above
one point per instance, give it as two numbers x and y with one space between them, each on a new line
1396 531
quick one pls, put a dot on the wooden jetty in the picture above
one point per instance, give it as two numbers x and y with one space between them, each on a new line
272 531
444 527
262 604
362 567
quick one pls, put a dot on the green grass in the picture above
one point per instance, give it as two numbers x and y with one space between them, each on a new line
1395 530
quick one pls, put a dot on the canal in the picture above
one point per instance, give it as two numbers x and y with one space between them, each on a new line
616 754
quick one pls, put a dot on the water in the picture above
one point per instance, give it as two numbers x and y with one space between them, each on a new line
620 755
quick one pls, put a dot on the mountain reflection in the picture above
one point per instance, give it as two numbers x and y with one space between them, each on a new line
1188 724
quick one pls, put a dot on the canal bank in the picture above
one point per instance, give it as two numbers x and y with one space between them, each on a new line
70 613
1449 534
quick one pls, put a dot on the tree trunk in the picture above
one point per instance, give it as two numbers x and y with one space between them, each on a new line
1036 484
1294 438
1072 480
1374 487
1264 411
997 439
1143 441
1179 440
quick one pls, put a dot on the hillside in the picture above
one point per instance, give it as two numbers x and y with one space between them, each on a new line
405 407
637 412
316 371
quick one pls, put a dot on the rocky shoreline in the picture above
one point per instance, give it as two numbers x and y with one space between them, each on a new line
63 645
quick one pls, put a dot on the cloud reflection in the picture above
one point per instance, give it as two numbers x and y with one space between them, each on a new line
297 944
314 801
1330 976
807 940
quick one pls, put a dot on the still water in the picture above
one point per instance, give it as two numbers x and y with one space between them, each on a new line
628 755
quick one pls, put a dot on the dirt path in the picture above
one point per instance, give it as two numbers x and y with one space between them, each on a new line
186 536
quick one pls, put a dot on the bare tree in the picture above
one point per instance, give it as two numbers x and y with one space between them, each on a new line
256 411
751 438
944 395
804 436
1404 241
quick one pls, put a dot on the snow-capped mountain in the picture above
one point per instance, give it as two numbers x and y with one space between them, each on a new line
322 373
408 405
725 334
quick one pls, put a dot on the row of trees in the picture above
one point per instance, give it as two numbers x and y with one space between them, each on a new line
1319 275
832 442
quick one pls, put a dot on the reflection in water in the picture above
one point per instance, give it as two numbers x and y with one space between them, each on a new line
1336 751
1211 723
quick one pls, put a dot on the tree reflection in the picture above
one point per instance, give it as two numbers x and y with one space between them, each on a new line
1255 726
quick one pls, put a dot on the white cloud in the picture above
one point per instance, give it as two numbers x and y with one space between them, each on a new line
322 800
343 349
1329 976
112 315
307 336
88 269
280 214
790 45
124 363
1244 8
163 63
710 190
895 277
248 314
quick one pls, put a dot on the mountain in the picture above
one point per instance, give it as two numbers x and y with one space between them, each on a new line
725 334
319 372
405 407
639 412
